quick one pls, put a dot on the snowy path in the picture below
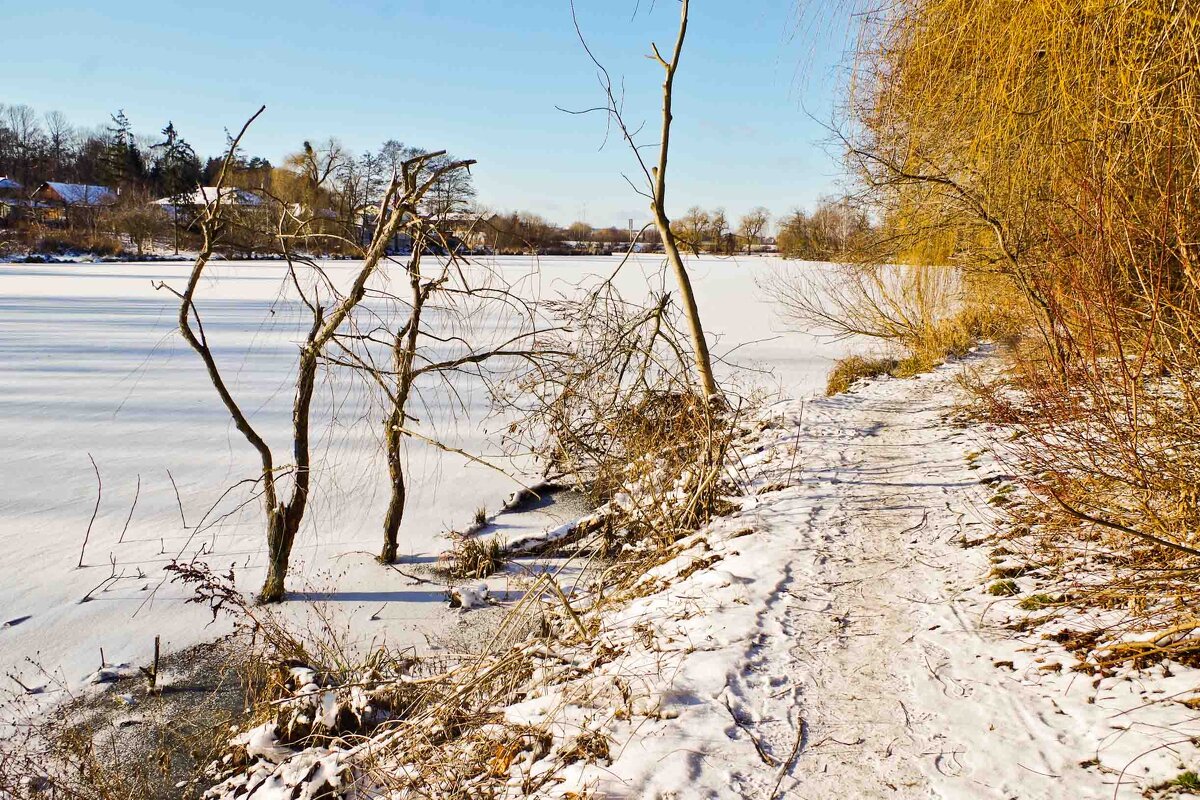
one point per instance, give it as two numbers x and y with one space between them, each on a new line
848 649
845 639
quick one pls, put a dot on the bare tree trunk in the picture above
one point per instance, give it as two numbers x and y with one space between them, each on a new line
281 534
658 204
404 350
283 521
395 509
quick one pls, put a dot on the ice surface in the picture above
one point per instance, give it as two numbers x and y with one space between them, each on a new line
91 363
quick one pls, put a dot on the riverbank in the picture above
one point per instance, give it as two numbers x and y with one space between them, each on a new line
838 633
849 642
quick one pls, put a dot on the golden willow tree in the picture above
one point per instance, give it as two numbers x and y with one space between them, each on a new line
1053 147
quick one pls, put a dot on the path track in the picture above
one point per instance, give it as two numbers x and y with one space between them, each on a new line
848 648
864 649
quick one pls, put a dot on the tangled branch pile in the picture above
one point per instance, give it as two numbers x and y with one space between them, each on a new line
622 420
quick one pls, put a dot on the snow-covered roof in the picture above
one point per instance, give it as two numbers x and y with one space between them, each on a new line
81 194
8 184
204 195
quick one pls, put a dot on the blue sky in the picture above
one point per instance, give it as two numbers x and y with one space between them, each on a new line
482 79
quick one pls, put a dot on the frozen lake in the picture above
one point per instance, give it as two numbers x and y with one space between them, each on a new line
91 363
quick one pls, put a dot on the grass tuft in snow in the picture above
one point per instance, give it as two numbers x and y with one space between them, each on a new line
852 369
470 557
1037 602
1004 588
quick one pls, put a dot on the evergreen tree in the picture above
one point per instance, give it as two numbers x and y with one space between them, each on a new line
177 172
123 164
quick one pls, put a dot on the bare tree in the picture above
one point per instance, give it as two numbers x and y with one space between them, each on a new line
396 209
455 293
656 179
691 228
658 207
27 139
59 136
136 217
752 225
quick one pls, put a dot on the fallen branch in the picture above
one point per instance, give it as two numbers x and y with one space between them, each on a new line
1122 528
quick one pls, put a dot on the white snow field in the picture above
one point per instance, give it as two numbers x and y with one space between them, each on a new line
91 363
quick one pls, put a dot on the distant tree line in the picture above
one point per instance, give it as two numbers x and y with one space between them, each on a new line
518 232
38 147
332 192
322 187
835 228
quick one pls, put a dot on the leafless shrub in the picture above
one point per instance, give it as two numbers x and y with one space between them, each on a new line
619 417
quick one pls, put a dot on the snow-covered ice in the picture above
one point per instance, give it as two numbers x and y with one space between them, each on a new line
91 363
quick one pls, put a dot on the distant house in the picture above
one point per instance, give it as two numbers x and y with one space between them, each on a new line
189 205
71 202
13 203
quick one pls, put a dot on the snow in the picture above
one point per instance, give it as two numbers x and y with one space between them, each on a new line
91 363
830 638
842 644
203 195
263 742
471 596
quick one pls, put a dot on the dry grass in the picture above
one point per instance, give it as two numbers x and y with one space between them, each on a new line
848 371
927 314
470 557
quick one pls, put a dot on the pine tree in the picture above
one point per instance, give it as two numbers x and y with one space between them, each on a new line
122 162
177 172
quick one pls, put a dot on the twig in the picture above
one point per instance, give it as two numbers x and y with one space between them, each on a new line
99 490
178 501
791 759
152 673
1116 526
136 493
113 577
796 447
567 605
766 757
412 577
